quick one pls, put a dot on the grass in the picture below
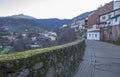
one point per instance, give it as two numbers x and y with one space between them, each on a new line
113 42
28 53
117 42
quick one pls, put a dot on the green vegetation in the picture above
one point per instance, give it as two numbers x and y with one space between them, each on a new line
5 50
113 42
28 53
117 42
79 35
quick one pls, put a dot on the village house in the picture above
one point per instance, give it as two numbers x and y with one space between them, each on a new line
93 33
93 18
65 25
79 25
34 46
104 18
111 20
112 17
51 35
93 25
34 38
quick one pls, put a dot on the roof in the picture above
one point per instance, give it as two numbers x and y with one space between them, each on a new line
95 31
110 11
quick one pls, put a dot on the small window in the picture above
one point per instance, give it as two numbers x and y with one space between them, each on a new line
109 23
103 17
109 16
95 35
89 34
116 19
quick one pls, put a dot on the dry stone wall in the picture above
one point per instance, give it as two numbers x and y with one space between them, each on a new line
60 62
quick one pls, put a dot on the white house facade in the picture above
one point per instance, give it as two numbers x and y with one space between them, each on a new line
111 19
116 4
93 33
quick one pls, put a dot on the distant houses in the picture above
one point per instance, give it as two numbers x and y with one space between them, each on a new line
100 24
94 16
51 35
79 25
111 20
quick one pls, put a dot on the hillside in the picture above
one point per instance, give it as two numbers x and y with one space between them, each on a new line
54 23
81 16
21 22
24 32
19 25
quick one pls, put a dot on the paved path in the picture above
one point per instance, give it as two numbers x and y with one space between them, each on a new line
100 60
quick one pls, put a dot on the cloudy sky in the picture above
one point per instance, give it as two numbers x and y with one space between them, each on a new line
49 8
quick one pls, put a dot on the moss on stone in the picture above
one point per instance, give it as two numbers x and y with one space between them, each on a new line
64 60
28 53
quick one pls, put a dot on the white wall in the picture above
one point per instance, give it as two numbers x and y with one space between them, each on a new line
109 22
116 20
116 4
93 35
105 17
94 27
112 18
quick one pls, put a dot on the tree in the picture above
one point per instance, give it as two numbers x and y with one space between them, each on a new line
3 32
66 35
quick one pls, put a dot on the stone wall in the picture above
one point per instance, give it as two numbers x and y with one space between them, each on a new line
111 33
116 32
61 62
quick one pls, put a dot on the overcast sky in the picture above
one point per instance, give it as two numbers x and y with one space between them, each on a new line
49 8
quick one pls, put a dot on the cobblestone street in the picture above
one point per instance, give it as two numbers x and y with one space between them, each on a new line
100 60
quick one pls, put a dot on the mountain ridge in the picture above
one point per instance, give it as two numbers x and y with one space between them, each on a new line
21 16
22 21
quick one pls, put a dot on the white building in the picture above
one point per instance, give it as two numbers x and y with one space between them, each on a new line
65 25
51 35
79 25
116 4
34 46
93 33
111 19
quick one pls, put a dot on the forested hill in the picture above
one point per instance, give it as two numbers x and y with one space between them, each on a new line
22 22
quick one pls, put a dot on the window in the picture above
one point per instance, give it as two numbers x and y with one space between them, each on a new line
90 35
95 35
109 16
109 23
103 17
116 19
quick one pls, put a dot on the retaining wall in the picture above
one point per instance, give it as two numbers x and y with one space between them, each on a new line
59 61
